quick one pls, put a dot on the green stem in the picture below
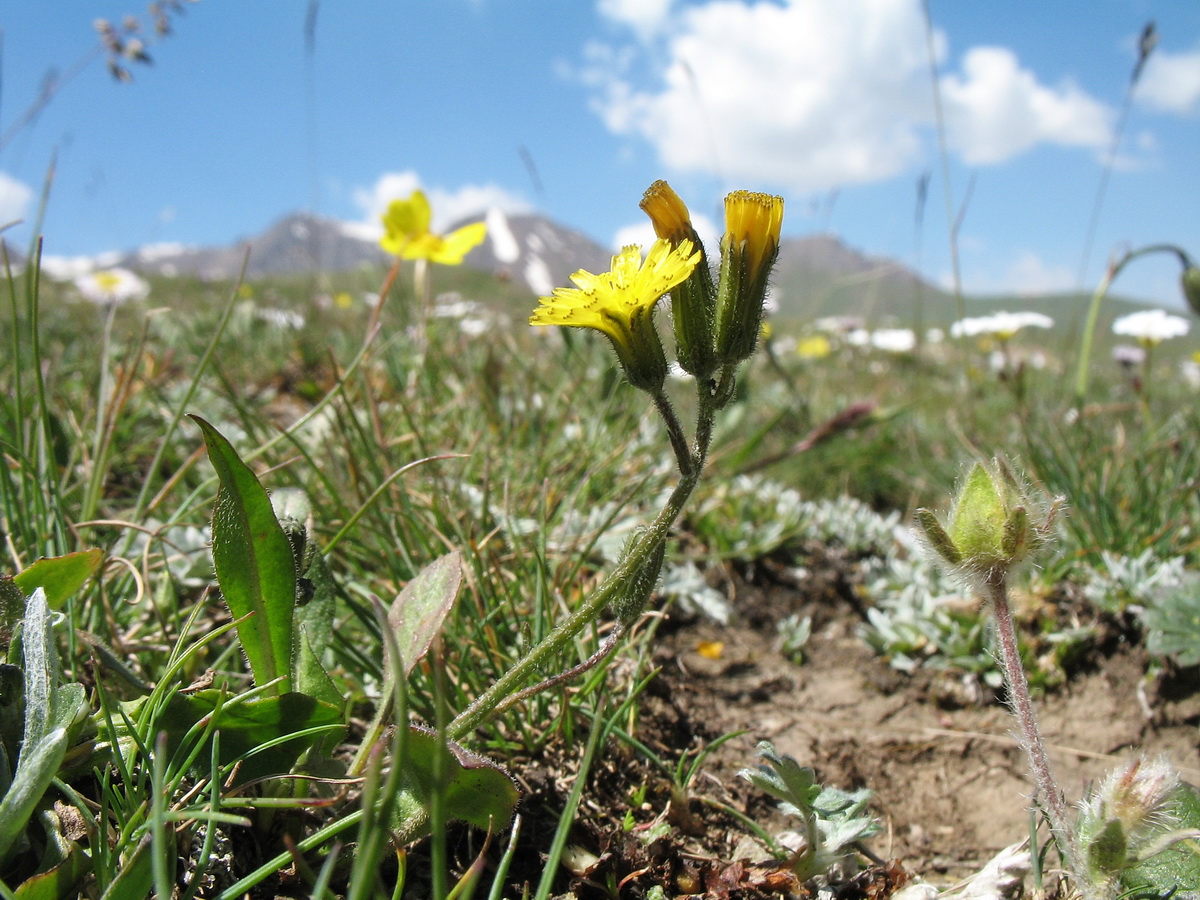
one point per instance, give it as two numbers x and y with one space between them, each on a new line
639 556
95 485
1089 329
674 430
587 612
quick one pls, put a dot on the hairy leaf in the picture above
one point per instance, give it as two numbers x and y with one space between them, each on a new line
253 560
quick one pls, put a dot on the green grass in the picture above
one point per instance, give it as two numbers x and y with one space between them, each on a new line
522 451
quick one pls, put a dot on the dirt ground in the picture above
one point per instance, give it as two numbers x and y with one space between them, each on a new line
938 751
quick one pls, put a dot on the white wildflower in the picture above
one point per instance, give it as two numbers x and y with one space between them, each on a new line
114 285
1151 327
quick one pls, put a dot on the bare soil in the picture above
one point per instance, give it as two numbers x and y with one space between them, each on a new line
937 750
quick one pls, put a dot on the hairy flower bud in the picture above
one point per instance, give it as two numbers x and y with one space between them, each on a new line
748 251
693 301
990 529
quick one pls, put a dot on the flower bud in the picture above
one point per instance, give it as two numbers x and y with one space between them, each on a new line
694 300
990 529
1129 816
748 251
1190 281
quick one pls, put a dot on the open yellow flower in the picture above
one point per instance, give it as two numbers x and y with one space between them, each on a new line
407 235
620 303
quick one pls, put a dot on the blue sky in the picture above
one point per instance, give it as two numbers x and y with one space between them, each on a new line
572 107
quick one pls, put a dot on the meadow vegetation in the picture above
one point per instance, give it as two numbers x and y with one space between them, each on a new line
251 528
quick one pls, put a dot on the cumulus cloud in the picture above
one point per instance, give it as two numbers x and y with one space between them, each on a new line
449 206
1171 82
996 109
15 197
815 94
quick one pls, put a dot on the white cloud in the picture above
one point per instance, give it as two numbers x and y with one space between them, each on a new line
1026 275
1171 82
996 109
449 206
1030 274
15 197
642 233
815 94
645 17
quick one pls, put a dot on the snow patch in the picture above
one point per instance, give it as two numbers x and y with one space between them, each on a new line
504 243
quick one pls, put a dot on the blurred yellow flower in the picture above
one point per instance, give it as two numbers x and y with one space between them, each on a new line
815 346
620 303
407 235
343 300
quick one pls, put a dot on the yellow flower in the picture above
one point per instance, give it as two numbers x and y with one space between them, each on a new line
620 303
407 234
754 221
748 250
814 346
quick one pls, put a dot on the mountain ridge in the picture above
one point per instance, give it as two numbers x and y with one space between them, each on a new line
815 275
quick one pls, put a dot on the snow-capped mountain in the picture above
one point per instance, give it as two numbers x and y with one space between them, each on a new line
532 248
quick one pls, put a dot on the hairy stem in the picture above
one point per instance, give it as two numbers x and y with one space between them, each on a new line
501 693
1029 733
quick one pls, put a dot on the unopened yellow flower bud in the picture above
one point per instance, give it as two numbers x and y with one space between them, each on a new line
748 250
692 301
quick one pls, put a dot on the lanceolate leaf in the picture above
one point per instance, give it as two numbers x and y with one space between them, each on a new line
253 561
417 614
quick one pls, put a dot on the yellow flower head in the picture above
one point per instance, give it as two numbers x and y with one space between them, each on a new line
667 213
753 221
407 235
815 346
693 302
620 303
748 250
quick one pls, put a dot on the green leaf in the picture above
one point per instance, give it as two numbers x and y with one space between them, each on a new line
1176 868
62 865
35 770
253 560
60 576
474 789
417 614
12 607
246 726
40 668
310 675
316 615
